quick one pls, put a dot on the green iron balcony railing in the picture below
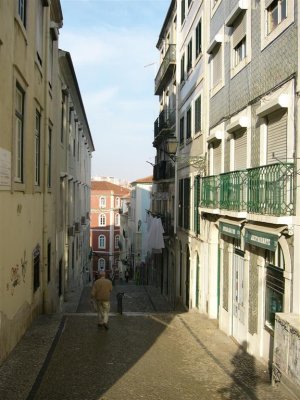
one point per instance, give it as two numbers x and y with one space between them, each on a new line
233 191
266 190
210 189
166 69
271 189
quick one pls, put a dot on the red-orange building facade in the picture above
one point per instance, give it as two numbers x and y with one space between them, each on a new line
106 205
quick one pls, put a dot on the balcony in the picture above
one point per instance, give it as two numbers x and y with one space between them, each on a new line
271 189
166 69
168 224
210 186
233 191
266 190
165 123
164 170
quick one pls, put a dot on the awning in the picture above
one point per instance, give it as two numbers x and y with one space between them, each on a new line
263 236
229 227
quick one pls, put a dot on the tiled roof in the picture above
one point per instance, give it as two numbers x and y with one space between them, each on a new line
147 179
104 185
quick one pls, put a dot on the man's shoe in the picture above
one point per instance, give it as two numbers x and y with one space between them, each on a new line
105 326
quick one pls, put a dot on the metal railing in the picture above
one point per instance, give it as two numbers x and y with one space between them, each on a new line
233 191
164 170
210 189
169 59
165 121
266 190
271 189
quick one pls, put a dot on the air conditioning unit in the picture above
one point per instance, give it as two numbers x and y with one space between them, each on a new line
71 231
83 221
77 227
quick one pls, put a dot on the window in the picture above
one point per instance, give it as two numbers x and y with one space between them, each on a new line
101 242
102 220
101 264
36 268
182 11
117 240
181 130
217 66
19 121
184 203
182 70
37 132
239 52
275 284
22 11
62 118
49 176
190 56
118 202
197 204
117 219
102 202
189 123
198 39
189 2
239 39
198 115
276 13
39 30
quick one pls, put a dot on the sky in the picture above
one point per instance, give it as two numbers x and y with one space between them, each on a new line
112 43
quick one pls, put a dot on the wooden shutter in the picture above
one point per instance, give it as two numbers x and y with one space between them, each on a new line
217 66
277 136
239 29
240 150
217 158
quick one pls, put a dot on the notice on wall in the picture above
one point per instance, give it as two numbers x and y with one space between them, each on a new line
5 167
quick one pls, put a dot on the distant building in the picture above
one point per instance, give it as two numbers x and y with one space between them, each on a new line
140 204
107 201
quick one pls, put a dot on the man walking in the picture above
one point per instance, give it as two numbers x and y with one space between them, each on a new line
101 292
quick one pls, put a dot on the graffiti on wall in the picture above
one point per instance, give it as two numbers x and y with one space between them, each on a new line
17 274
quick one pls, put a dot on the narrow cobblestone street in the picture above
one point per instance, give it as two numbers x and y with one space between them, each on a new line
149 352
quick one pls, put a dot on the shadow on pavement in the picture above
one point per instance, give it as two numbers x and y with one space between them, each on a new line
87 360
243 376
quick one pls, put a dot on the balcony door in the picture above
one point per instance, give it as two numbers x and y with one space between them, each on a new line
238 306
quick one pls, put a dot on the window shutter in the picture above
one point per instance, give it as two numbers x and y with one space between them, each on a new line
217 158
198 115
240 150
239 29
217 67
277 136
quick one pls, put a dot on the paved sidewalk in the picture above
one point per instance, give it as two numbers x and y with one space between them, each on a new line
148 353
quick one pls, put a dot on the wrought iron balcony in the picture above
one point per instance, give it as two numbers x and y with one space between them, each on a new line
266 190
233 191
165 122
164 170
271 189
168 224
210 189
166 69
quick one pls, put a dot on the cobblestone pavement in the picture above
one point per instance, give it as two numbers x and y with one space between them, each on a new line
150 352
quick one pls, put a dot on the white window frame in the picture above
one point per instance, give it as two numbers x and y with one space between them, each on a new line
101 264
117 239
118 202
267 38
102 202
217 42
101 242
117 219
102 219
